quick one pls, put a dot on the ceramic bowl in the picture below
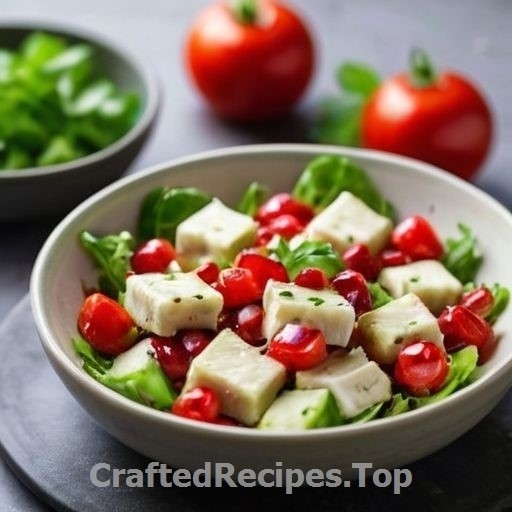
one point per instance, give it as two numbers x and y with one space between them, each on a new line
412 186
55 189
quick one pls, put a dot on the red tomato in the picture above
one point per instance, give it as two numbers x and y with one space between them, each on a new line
106 325
262 268
201 404
208 272
462 327
480 301
238 287
312 277
352 285
416 238
285 225
153 256
441 119
284 204
298 347
359 258
252 65
421 368
392 258
249 321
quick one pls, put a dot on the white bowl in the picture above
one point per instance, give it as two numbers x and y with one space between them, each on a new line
412 186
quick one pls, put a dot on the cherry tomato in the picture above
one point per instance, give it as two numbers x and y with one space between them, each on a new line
208 272
480 301
201 404
106 325
359 258
284 204
352 285
440 118
252 60
462 327
238 287
153 256
312 277
249 323
416 238
421 368
298 347
285 225
262 268
392 258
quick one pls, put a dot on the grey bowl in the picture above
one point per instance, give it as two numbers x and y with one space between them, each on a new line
43 191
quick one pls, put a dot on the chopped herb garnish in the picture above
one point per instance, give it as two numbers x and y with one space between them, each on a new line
414 279
177 299
286 293
317 301
198 297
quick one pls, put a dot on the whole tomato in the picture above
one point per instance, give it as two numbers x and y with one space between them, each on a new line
439 118
251 59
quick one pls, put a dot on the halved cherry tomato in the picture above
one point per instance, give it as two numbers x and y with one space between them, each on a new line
284 204
417 239
312 277
208 272
421 368
480 301
298 347
352 285
262 268
462 327
251 60
238 287
201 404
106 325
250 320
358 258
153 256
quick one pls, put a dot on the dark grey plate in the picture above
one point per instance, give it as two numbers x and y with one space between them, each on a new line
51 445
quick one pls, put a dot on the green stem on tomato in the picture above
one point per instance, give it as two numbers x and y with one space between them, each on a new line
421 71
245 11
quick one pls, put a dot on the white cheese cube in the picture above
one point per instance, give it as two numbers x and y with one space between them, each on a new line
428 279
355 382
348 221
385 330
326 310
246 381
214 232
165 303
133 360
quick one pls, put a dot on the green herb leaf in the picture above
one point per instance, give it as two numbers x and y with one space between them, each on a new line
357 78
462 257
94 364
501 299
252 199
326 176
379 296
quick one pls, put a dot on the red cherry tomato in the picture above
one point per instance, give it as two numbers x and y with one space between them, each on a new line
480 301
252 60
284 204
442 119
106 325
262 268
298 347
417 239
201 404
238 287
285 225
249 321
359 258
312 277
462 327
352 285
208 272
153 256
392 258
421 368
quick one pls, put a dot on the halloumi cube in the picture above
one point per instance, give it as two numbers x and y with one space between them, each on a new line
326 310
246 381
428 279
165 303
386 330
348 221
355 382
214 232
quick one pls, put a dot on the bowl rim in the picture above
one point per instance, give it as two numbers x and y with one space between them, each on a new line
133 59
62 363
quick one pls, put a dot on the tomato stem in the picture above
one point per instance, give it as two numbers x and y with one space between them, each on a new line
421 71
245 11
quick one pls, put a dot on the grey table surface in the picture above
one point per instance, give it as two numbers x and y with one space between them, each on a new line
470 35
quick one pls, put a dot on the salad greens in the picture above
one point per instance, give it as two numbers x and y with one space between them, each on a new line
54 104
326 176
253 198
379 296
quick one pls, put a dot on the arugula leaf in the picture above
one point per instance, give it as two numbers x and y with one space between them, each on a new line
308 254
379 296
462 257
112 254
164 208
501 297
326 176
93 363
253 198
367 414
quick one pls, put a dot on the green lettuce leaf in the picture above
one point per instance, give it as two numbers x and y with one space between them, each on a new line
501 299
252 199
379 296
